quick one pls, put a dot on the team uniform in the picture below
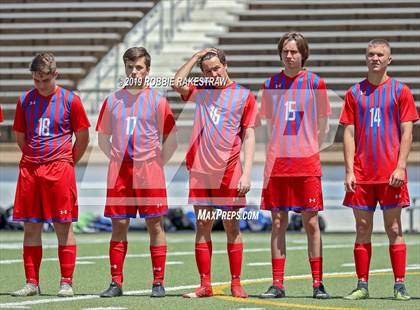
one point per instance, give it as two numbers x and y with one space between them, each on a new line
46 179
1 116
136 181
46 188
213 159
292 173
377 113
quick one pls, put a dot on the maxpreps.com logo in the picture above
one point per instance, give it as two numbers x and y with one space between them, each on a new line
227 215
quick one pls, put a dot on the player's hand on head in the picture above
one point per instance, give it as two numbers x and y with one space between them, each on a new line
205 51
397 177
350 182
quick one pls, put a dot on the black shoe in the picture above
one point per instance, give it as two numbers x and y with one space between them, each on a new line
320 293
114 290
158 290
274 292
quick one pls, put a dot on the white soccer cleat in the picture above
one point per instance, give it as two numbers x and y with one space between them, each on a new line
29 289
65 290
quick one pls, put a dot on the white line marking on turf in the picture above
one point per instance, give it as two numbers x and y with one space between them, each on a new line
174 263
260 264
105 308
85 263
177 288
348 265
189 253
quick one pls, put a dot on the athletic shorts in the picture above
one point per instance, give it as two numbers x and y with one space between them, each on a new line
367 196
136 187
216 190
46 193
292 194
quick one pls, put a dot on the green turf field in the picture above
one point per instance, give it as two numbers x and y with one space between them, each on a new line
92 274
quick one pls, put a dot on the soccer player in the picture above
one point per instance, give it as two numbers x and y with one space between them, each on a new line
296 107
46 118
378 117
225 117
136 131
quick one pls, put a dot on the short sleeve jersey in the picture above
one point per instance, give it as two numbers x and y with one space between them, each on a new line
377 113
135 123
48 124
293 107
221 117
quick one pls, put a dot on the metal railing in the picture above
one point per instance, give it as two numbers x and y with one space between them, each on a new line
153 32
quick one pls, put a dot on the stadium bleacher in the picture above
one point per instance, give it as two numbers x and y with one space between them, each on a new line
338 32
81 32
78 32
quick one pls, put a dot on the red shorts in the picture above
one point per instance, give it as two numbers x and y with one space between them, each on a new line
367 196
219 191
46 193
136 187
292 194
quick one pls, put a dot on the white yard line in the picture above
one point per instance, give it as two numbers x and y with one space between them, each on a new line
190 253
175 288
260 264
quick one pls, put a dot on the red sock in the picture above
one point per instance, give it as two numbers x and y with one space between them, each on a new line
277 265
203 252
32 256
158 255
235 251
316 268
117 252
362 255
398 253
67 258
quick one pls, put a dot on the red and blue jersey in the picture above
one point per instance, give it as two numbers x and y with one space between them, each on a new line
48 124
221 116
377 111
293 107
136 123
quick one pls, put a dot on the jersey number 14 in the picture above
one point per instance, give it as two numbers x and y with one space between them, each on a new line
375 117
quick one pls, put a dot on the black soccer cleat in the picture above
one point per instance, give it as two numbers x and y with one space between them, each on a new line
274 292
320 293
114 290
158 290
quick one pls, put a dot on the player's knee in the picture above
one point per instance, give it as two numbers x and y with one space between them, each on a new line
280 221
363 228
393 230
312 226
232 229
155 225
33 230
204 225
279 225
